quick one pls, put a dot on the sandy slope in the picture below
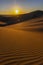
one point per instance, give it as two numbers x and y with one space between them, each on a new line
21 46
32 24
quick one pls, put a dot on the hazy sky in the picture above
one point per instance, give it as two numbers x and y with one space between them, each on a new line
24 5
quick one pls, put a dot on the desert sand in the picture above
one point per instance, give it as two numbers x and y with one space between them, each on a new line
22 43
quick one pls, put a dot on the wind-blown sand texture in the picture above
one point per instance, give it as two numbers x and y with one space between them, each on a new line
22 43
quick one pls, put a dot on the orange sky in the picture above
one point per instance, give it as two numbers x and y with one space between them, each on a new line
12 12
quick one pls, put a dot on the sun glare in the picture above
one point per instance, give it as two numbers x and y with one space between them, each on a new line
17 11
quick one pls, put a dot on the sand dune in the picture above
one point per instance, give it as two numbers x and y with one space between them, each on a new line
22 43
33 24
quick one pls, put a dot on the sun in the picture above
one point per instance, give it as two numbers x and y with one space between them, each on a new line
16 11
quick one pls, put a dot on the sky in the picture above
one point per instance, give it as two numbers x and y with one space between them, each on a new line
25 6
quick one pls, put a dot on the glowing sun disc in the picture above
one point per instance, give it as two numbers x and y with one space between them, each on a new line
17 11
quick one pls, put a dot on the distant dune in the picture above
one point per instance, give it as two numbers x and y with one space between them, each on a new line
22 43
9 20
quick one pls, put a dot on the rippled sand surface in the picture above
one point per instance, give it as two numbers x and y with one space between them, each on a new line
22 44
